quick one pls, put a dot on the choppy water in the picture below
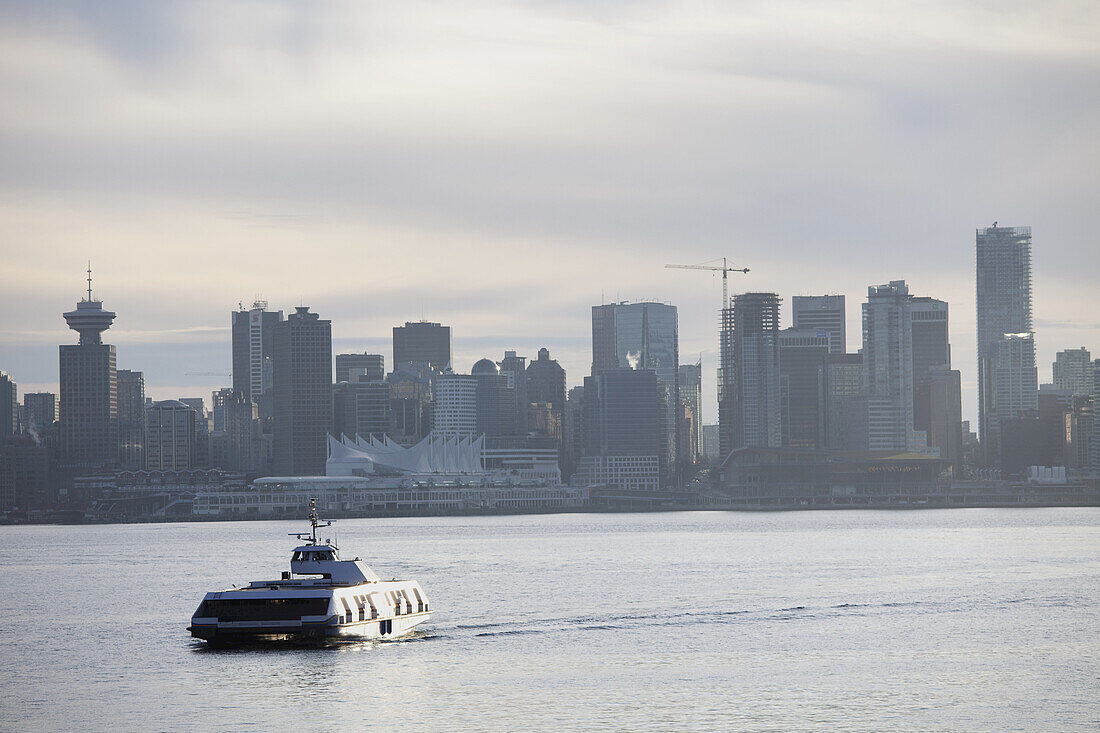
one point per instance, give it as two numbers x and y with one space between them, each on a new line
859 620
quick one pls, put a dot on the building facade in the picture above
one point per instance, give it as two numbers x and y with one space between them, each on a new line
360 368
88 409
1003 266
253 352
40 410
169 436
1073 371
749 410
454 405
131 420
821 314
623 416
888 368
802 366
302 390
422 342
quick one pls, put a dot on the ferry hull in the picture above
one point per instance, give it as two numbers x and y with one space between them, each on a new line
220 634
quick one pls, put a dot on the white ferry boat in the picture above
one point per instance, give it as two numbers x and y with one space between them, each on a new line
321 597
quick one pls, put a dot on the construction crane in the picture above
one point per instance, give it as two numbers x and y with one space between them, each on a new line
725 269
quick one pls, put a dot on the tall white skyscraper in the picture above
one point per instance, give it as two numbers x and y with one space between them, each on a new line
1003 259
454 405
888 368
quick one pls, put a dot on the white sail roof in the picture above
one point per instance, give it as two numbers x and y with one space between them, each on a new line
359 456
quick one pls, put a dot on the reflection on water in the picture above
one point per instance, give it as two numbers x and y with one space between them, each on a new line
967 620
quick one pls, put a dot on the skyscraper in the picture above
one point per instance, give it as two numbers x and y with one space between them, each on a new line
845 408
454 405
89 388
802 367
131 419
365 367
821 313
643 336
888 368
623 428
1003 257
169 436
1072 371
9 406
253 349
410 402
40 409
302 389
691 415
1015 380
546 384
496 399
748 376
937 410
514 368
422 342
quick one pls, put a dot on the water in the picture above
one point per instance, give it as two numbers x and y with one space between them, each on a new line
982 619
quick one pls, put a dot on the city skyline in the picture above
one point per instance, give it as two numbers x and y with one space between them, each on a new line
611 141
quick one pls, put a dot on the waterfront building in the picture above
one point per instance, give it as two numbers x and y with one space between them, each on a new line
623 417
821 313
40 410
131 420
1003 257
253 352
888 368
643 335
9 406
360 368
749 410
454 405
24 474
1073 371
802 367
422 342
88 409
170 436
691 411
302 391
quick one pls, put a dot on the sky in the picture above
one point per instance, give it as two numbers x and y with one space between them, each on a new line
502 167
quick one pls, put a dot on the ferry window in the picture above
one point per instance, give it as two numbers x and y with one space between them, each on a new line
297 557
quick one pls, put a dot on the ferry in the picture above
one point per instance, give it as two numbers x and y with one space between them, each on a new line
320 598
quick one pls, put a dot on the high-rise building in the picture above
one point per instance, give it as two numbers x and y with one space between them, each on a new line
361 408
1072 370
410 402
243 434
802 366
623 418
360 368
821 313
643 335
40 410
748 376
888 368
9 406
933 402
845 408
218 401
1003 256
514 368
169 436
496 399
1094 445
422 342
131 420
454 405
546 385
302 390
1015 380
691 415
572 431
89 388
253 350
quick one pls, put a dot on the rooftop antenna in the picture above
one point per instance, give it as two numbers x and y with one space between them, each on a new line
89 281
311 537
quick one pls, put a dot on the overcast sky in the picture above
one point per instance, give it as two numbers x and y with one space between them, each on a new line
502 167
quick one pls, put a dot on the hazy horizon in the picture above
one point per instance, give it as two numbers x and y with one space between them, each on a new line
501 168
